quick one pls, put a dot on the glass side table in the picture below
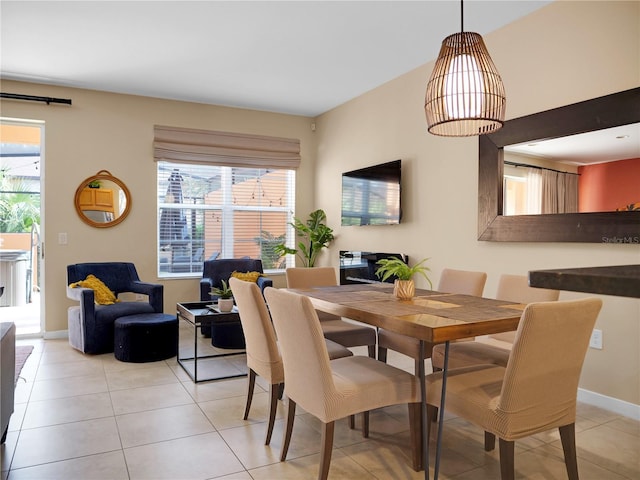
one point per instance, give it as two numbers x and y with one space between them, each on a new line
217 362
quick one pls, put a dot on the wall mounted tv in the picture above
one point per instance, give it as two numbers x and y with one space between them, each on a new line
371 195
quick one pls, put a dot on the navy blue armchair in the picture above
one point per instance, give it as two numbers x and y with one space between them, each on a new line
214 271
227 334
91 325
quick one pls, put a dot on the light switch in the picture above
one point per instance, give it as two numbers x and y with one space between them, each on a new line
62 238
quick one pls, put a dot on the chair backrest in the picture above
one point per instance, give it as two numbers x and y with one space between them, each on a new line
311 277
118 276
221 269
462 282
309 380
541 379
263 356
515 288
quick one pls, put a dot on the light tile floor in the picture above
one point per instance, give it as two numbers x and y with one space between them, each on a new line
92 417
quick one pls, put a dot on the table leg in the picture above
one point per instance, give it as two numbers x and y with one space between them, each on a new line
423 392
441 413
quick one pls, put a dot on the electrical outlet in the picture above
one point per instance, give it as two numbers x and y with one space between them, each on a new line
596 339
62 238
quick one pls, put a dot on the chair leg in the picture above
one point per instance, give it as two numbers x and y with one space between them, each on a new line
273 405
252 383
372 351
489 441
432 417
327 447
415 434
365 424
568 438
382 354
507 465
286 438
280 391
352 422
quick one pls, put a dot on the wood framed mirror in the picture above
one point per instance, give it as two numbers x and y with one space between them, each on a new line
102 200
613 110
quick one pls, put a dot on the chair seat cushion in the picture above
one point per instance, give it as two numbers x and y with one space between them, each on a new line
336 350
464 354
384 384
348 334
107 314
401 343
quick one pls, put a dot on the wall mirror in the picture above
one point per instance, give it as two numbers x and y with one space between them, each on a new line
601 113
102 200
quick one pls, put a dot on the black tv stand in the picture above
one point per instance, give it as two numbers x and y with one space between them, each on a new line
360 267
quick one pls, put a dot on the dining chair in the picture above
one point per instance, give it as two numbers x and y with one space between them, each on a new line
451 281
263 356
535 392
494 349
347 333
333 390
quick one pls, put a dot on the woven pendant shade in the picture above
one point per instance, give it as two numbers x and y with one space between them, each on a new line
465 95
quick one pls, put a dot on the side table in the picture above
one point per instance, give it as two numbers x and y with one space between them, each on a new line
196 315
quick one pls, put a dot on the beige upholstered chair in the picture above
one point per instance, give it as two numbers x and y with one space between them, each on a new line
451 281
536 391
495 348
333 390
345 333
263 356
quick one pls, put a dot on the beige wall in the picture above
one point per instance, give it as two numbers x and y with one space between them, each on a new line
115 132
561 54
566 52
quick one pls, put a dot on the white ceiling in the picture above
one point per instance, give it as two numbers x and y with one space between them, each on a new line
296 57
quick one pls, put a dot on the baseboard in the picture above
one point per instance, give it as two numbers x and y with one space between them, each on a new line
615 405
56 335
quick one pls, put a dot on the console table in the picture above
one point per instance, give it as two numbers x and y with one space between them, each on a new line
618 280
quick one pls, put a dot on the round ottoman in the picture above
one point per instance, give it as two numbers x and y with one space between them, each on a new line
146 337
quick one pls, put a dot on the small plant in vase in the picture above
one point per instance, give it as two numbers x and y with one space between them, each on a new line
404 286
225 297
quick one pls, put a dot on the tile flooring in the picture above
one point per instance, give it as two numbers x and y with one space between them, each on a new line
91 417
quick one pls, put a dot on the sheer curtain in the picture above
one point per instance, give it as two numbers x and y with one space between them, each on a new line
534 191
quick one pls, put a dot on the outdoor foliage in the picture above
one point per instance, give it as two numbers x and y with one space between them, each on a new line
19 209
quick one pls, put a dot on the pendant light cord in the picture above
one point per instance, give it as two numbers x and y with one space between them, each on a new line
462 15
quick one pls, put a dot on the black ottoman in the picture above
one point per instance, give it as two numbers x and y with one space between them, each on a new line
146 337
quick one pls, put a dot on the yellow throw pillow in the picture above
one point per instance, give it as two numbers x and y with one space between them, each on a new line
248 276
103 296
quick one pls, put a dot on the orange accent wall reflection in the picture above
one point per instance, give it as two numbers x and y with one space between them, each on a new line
606 187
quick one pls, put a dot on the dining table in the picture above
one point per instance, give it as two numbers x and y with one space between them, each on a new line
430 316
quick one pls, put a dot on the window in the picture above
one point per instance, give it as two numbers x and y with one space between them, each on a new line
222 195
207 212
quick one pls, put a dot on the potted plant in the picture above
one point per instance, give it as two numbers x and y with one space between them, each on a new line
225 297
404 286
315 235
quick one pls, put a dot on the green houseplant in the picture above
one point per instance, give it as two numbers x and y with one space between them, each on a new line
225 296
404 286
314 234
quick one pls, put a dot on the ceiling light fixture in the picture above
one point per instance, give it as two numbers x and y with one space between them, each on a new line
465 95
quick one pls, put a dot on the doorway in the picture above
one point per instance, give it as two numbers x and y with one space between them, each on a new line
21 224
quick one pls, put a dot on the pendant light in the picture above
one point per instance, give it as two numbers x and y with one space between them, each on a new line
465 95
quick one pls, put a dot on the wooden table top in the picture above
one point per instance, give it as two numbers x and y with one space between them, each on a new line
431 316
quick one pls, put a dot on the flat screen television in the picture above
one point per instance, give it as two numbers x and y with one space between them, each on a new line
371 195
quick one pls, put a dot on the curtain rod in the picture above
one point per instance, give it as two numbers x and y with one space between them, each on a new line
35 98
506 162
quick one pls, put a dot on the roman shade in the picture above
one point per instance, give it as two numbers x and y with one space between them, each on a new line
186 145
